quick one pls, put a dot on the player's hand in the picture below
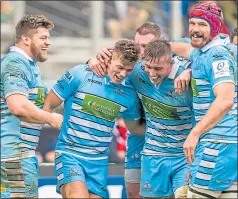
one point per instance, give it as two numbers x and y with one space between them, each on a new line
105 54
56 121
189 147
181 83
98 68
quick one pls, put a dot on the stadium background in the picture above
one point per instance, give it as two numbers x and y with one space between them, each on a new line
82 28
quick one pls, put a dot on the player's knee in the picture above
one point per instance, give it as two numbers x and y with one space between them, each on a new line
181 192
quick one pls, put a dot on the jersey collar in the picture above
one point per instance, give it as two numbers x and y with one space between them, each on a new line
109 81
221 40
22 52
174 71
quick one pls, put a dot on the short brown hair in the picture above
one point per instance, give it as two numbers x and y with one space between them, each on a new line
127 50
149 28
32 22
157 49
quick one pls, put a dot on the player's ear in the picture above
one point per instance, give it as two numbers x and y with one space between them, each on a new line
26 40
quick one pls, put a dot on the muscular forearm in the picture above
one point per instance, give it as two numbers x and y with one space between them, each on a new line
181 49
217 111
30 113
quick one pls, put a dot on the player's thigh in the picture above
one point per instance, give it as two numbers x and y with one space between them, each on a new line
155 177
75 189
178 177
133 190
70 175
96 177
19 178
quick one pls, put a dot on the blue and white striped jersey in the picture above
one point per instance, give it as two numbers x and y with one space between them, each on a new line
212 65
91 106
21 75
168 115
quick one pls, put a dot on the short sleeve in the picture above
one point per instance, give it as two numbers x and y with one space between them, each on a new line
16 77
68 83
222 69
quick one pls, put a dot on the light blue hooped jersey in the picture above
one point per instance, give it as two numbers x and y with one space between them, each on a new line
212 65
169 116
91 106
19 75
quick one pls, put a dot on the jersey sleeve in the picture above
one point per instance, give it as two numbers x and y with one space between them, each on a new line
221 68
16 78
68 83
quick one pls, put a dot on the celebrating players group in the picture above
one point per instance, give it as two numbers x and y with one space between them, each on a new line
178 100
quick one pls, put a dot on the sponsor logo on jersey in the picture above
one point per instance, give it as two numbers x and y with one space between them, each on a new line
158 109
95 81
119 91
100 107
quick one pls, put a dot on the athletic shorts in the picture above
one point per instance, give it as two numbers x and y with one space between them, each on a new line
135 145
19 178
161 176
215 166
93 173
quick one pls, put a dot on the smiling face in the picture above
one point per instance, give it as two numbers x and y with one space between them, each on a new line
157 70
39 44
117 71
199 32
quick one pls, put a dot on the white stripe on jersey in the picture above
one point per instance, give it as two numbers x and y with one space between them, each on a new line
203 176
200 82
164 144
84 157
30 138
88 136
218 141
200 186
172 128
203 94
160 134
201 106
80 95
76 107
151 152
198 117
90 124
31 126
23 145
92 151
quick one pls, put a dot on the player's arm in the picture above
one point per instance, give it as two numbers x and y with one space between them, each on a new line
135 127
16 78
52 101
99 64
224 93
63 88
181 49
20 106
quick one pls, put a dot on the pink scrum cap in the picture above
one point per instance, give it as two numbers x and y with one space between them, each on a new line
211 13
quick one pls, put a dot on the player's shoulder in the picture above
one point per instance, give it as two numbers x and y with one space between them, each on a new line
80 70
219 53
15 60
